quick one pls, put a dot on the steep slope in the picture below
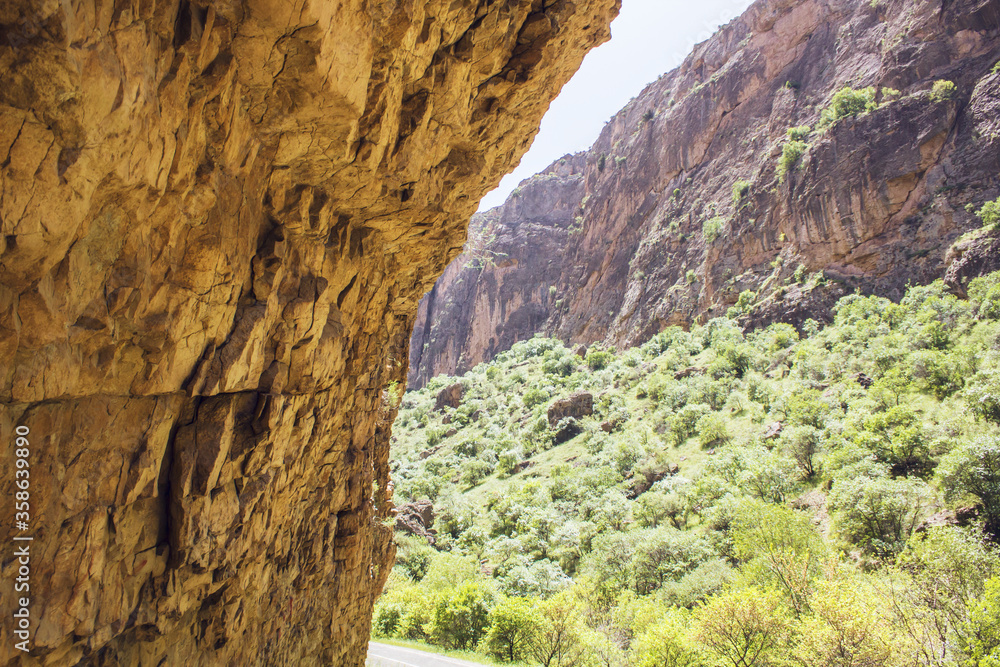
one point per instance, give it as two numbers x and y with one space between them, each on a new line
682 208
217 220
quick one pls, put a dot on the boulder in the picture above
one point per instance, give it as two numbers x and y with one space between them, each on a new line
577 405
451 396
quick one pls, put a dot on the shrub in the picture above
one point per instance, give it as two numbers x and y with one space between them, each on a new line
878 514
942 90
665 643
896 437
983 394
974 469
598 358
512 624
534 396
989 213
847 626
802 444
559 635
780 544
712 430
711 228
984 292
791 152
799 133
665 554
981 634
847 102
740 190
745 628
461 618
691 277
475 471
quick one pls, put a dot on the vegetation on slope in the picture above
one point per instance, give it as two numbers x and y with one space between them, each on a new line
759 499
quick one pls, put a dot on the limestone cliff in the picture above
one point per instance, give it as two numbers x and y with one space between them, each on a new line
678 207
217 220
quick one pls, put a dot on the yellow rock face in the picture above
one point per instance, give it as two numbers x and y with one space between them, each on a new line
217 220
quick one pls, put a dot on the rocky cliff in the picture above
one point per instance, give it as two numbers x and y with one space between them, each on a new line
217 221
679 207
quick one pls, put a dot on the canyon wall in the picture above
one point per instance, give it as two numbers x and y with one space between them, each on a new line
678 207
218 218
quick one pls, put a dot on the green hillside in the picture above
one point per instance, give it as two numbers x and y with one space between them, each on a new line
733 499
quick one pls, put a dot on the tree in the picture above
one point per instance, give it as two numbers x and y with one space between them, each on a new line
974 468
781 545
945 572
983 630
847 628
878 514
461 618
512 625
666 643
802 444
748 627
983 394
558 637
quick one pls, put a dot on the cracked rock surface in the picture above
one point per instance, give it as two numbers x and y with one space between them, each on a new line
217 220
610 244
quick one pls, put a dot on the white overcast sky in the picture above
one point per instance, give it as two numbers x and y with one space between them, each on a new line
648 38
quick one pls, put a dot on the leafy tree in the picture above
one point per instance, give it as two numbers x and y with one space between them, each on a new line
461 619
983 394
665 554
666 643
598 358
973 468
744 628
848 102
803 445
896 437
712 430
512 624
781 545
982 632
558 640
878 514
847 628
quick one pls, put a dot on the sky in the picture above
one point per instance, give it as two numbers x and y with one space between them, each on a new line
648 38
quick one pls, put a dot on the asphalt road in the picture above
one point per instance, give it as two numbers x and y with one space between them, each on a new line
383 655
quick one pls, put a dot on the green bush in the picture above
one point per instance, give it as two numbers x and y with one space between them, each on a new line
712 430
989 213
942 90
598 358
982 394
981 634
512 625
879 514
461 619
974 469
791 153
984 293
847 102
800 133
740 190
711 228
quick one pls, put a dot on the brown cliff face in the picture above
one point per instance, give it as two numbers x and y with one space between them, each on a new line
218 218
875 202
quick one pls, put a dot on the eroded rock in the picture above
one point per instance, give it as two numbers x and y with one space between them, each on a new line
217 221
